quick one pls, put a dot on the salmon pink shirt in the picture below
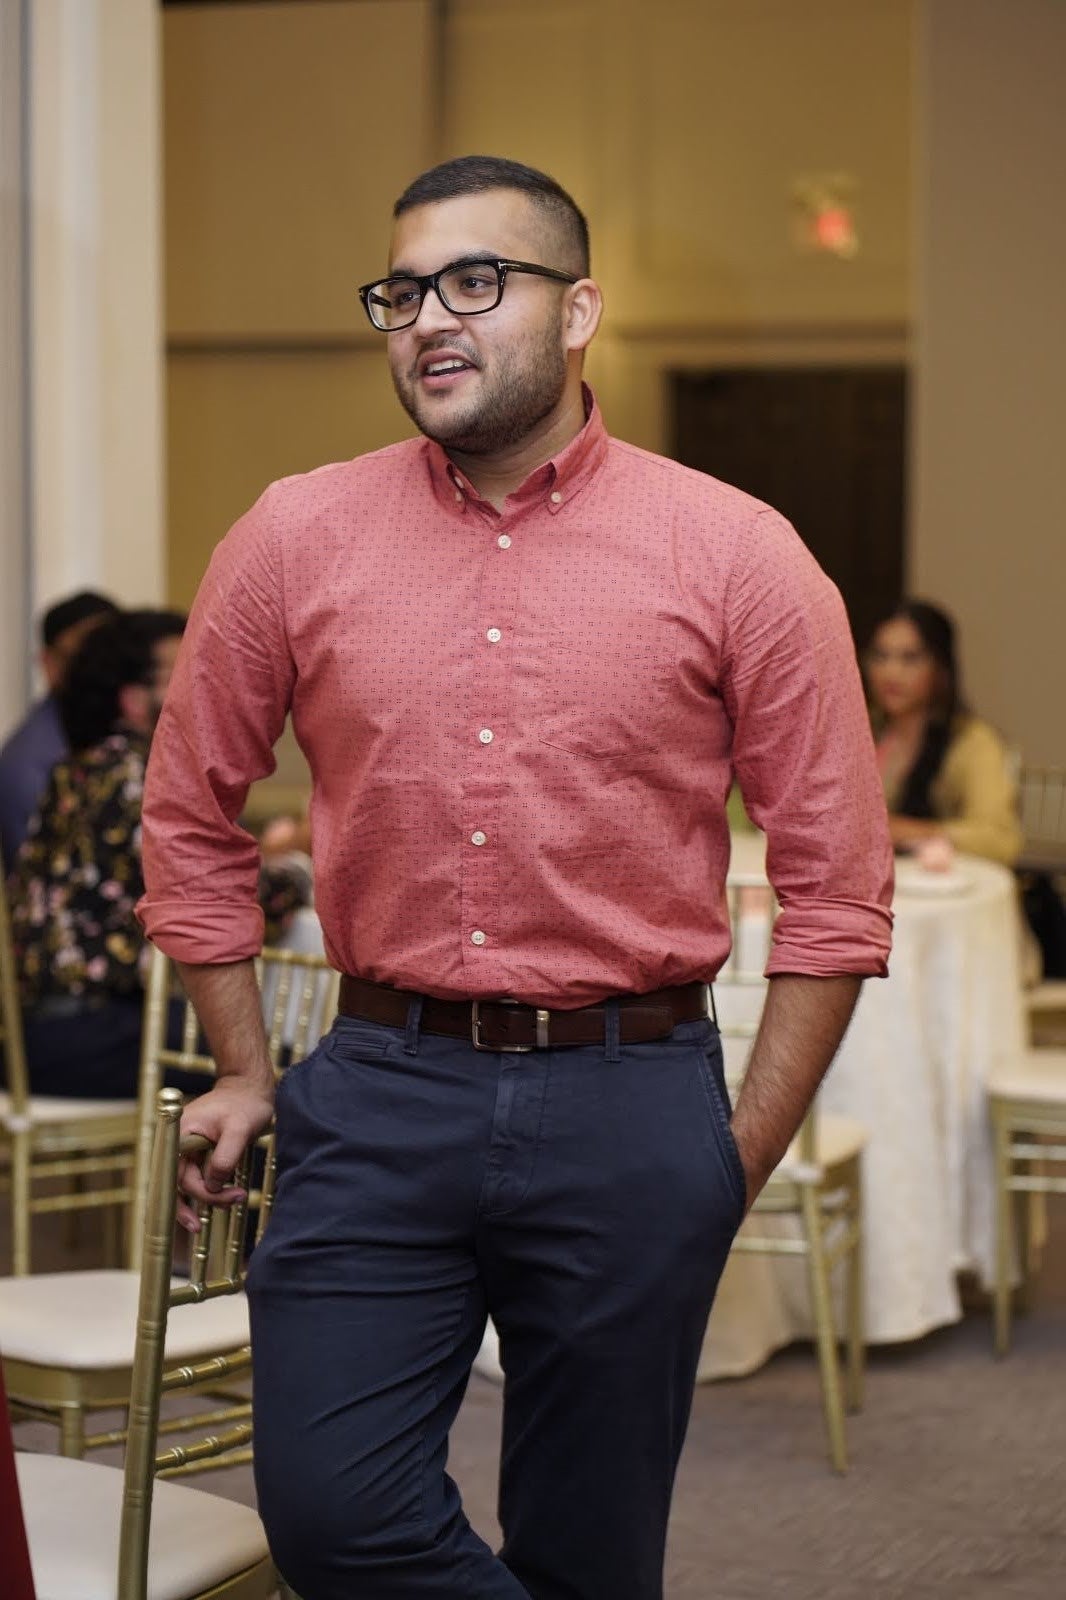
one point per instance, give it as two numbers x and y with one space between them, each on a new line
522 726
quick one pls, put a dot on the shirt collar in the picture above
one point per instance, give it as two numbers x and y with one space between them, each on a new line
552 484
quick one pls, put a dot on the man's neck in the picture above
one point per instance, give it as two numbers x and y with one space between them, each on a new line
496 476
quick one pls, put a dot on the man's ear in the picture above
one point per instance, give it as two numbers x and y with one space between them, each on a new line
583 312
134 705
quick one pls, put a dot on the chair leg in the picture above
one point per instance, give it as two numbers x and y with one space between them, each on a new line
20 1205
856 1362
72 1432
1004 1217
822 1306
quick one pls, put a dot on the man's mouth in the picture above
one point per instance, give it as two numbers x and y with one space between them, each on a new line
442 371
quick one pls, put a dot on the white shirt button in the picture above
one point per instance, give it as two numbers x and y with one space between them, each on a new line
556 498
486 735
478 837
459 496
504 541
477 937
494 636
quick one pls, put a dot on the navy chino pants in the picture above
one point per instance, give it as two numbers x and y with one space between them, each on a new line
588 1204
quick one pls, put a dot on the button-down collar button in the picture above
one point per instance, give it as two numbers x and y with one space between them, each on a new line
486 736
504 541
494 636
556 498
477 937
478 837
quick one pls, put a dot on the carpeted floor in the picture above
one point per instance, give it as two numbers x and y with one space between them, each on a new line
957 1489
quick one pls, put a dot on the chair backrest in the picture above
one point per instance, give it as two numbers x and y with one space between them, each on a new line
741 985
1043 804
158 1294
300 992
14 1050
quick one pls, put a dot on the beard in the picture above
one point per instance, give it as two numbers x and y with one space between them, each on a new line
525 387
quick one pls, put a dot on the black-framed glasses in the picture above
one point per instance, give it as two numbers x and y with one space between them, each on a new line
465 287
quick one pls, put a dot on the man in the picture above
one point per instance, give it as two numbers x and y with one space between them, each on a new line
79 948
77 877
524 661
30 753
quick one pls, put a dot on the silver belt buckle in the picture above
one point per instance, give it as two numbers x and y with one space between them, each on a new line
507 1049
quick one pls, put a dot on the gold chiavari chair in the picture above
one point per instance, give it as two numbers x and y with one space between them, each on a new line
100 1533
812 1206
61 1155
67 1338
1028 1106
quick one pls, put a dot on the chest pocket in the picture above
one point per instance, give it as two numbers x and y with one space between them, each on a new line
604 686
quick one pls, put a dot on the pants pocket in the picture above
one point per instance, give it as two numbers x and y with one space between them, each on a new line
712 1079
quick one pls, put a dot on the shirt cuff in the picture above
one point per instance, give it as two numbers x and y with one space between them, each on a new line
832 938
203 932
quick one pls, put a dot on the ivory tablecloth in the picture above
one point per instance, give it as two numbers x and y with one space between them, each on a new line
913 1069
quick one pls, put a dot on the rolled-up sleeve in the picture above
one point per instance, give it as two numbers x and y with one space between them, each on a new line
804 758
225 709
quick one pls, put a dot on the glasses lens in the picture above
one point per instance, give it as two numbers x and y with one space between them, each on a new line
475 287
393 303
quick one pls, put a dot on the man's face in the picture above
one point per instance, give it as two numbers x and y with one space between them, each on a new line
515 356
164 654
141 703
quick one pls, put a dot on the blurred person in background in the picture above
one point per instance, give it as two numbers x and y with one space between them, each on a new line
39 741
946 773
79 948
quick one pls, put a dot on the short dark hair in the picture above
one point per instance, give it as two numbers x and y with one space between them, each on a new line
68 613
121 651
476 174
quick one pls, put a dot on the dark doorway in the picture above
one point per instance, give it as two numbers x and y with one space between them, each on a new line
824 446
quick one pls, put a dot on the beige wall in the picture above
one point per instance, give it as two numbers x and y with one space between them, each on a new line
288 131
681 132
989 532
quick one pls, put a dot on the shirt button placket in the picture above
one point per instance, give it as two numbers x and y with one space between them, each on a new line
486 788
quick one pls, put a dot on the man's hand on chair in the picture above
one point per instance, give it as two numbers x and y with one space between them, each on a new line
230 1115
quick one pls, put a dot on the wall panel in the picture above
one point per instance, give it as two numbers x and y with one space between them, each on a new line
712 112
290 129
239 421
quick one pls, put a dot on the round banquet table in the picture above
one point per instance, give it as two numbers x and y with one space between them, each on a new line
913 1069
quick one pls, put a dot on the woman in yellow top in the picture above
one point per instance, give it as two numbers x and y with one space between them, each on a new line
946 774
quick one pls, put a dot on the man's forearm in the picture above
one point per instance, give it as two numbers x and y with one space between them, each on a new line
228 1003
802 1024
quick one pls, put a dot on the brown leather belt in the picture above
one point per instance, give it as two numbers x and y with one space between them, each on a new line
510 1026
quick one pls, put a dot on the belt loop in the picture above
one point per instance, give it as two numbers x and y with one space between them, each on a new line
612 1030
714 1008
414 1023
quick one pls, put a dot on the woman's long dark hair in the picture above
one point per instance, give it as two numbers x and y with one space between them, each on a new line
937 633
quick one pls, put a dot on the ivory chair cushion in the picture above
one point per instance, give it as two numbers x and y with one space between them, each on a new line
88 1320
72 1511
1037 1075
54 1108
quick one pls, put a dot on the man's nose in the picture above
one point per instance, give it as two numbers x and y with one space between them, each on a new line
434 315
